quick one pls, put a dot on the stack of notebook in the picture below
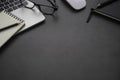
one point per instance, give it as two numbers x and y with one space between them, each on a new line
9 26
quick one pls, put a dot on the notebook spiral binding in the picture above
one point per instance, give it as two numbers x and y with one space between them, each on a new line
15 17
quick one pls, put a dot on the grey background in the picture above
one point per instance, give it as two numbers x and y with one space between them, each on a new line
64 47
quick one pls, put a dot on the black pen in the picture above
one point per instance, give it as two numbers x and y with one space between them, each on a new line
90 15
7 27
100 5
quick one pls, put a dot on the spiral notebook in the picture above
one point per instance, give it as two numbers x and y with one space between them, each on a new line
9 19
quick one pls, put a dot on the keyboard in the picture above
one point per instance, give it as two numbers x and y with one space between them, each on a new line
10 5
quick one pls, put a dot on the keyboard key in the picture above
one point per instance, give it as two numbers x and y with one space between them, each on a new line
1 9
20 5
11 5
11 1
6 7
16 3
6 3
1 5
15 7
9 10
3 0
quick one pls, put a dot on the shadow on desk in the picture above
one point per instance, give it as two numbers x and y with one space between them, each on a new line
14 38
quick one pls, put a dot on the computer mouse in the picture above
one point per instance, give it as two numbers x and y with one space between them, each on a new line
77 4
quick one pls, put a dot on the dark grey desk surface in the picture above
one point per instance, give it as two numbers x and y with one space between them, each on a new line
65 47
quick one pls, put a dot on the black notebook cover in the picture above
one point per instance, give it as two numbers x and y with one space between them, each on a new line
112 9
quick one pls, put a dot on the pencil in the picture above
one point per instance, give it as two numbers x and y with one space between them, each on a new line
7 27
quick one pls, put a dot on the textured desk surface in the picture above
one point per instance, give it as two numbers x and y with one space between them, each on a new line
65 47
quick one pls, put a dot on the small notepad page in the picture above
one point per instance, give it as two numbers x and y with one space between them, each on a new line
7 34
7 19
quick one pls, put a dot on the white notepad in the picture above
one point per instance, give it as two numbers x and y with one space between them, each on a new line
7 19
5 35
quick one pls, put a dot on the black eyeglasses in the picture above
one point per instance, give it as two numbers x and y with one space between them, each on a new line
49 8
